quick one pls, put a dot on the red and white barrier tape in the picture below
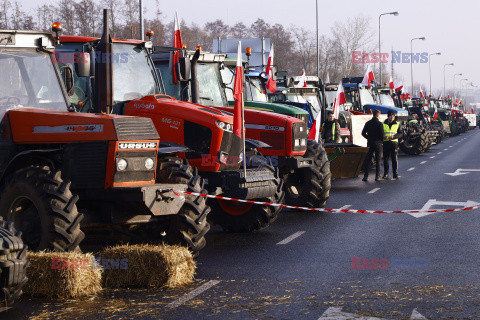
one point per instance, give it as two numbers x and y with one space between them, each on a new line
178 193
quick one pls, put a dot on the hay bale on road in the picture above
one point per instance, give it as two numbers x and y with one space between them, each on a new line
62 275
147 266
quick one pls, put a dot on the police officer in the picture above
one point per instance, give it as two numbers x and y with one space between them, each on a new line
373 132
331 129
392 132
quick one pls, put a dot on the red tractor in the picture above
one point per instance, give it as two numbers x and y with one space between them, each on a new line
124 72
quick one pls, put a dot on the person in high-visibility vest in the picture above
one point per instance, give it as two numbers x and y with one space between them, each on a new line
331 129
391 129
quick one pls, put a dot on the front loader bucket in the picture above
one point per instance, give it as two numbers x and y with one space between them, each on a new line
346 159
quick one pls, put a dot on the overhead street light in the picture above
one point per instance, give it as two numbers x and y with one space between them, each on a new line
448 64
430 68
456 74
411 55
379 41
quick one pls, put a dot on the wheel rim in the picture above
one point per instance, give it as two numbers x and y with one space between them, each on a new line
26 218
234 208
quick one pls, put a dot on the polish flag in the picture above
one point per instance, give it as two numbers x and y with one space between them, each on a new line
303 81
421 94
473 111
314 133
339 100
435 115
177 43
400 87
327 80
391 85
238 125
369 76
271 84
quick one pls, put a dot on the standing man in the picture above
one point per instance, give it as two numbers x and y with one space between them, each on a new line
331 129
392 132
373 132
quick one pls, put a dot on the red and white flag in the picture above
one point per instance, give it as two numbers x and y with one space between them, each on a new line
303 81
339 100
400 87
473 111
421 94
369 76
238 95
177 43
314 133
271 84
391 85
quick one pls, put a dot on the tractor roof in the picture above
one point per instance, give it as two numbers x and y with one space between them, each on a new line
83 39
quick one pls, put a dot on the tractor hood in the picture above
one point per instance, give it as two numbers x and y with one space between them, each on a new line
47 126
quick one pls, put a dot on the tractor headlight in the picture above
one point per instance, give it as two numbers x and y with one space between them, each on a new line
297 143
149 163
122 164
303 142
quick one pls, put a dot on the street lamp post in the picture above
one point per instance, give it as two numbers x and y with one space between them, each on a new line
430 68
379 43
461 86
447 64
318 53
456 74
411 56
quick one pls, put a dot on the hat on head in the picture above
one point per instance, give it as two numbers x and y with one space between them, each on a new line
390 112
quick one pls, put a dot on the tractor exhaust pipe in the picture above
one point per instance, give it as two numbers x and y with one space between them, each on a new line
103 69
194 88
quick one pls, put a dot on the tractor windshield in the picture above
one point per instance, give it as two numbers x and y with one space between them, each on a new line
228 80
366 96
133 73
210 86
29 79
330 96
385 99
254 90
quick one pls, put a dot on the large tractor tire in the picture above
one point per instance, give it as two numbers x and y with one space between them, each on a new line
245 217
414 145
13 263
428 143
42 207
309 186
189 226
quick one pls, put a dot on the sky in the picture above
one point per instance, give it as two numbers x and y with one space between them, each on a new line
450 27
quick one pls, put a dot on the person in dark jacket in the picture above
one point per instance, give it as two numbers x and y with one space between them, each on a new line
392 132
331 129
373 132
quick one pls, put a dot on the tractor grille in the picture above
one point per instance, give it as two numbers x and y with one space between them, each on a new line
135 128
84 164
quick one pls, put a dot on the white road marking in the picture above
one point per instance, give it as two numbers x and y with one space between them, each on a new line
440 152
416 315
433 202
411 169
346 206
445 149
292 237
423 162
335 313
374 190
459 172
450 146
192 294
432 157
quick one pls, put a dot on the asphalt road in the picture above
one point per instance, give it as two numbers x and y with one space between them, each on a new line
332 266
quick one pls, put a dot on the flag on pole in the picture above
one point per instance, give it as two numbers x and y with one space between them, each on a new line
303 81
314 133
391 85
271 84
421 93
238 95
369 76
400 87
339 100
177 43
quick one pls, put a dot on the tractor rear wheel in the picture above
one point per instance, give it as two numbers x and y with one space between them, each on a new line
246 217
189 226
310 186
13 263
41 205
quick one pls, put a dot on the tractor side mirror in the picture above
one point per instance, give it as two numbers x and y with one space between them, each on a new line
68 79
183 69
82 67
